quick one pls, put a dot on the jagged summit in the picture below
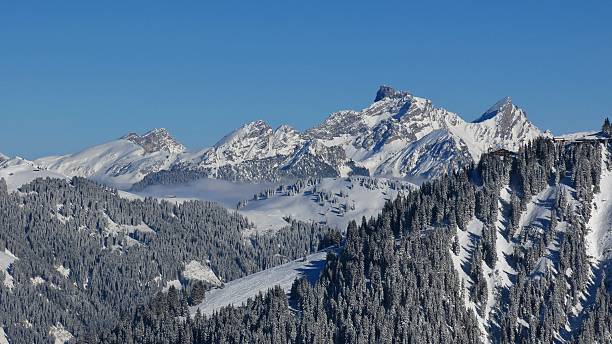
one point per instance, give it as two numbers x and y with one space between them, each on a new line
156 140
385 91
502 106
246 131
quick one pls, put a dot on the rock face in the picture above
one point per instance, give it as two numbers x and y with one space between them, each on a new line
398 136
156 140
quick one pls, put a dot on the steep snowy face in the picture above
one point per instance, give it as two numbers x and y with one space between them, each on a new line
504 125
401 135
436 153
3 157
156 140
253 141
599 239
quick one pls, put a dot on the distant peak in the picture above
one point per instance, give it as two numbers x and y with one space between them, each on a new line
258 124
285 129
249 130
500 104
158 131
158 139
503 106
384 91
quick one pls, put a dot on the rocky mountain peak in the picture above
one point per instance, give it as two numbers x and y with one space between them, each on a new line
156 140
502 107
385 91
249 131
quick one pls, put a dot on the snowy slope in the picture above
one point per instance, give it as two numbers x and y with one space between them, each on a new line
599 239
500 277
197 271
19 171
240 290
59 334
119 163
332 201
3 338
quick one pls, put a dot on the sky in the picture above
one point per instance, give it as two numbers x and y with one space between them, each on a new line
79 73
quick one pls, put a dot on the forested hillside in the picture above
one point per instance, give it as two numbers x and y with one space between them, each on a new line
501 252
75 256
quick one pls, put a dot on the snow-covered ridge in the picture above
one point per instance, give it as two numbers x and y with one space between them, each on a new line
399 135
118 163
392 137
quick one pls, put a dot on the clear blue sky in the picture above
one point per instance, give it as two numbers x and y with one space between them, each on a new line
78 73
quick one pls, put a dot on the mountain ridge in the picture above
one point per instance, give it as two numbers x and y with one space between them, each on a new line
399 135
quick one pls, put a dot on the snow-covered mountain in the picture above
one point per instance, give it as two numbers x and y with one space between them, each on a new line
19 171
120 162
398 136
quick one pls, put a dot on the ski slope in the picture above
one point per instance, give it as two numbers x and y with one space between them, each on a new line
239 291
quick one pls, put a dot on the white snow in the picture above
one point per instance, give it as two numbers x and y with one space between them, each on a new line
174 283
60 334
502 269
64 271
361 196
599 239
6 259
238 291
37 280
113 228
17 172
118 163
352 198
129 195
196 271
467 244
3 337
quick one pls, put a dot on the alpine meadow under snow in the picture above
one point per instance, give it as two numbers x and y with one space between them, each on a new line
398 223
